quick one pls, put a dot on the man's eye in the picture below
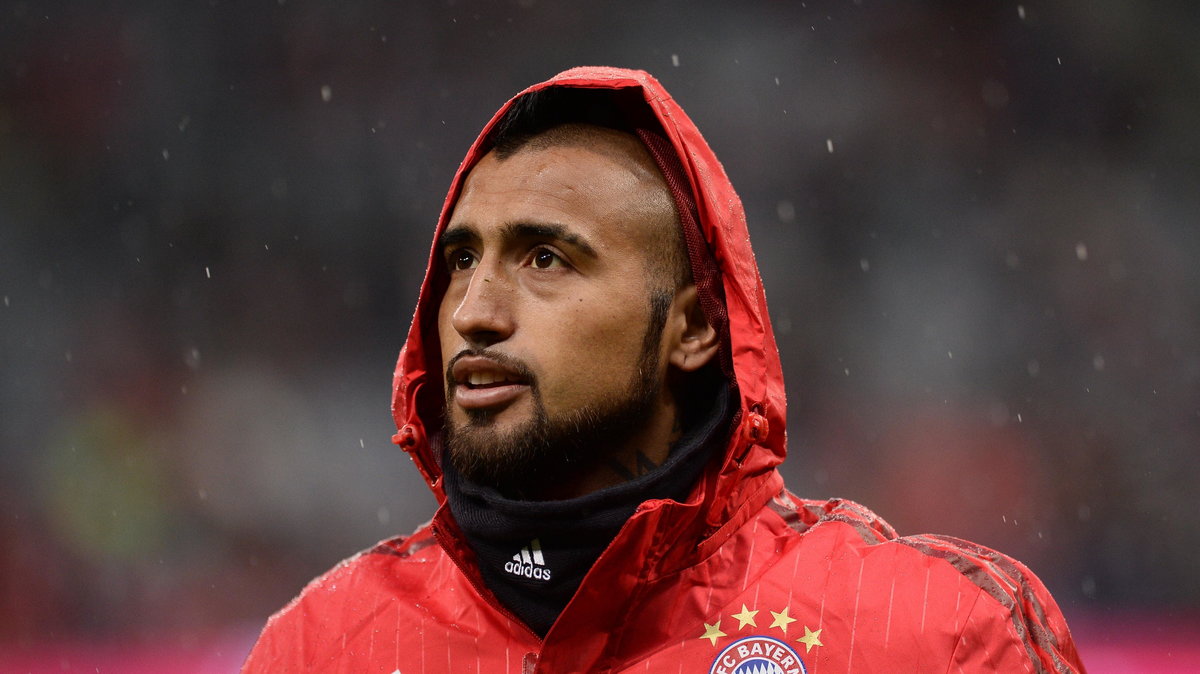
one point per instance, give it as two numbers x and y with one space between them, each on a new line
545 259
462 259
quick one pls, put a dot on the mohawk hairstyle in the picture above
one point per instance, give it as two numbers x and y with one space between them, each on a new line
537 112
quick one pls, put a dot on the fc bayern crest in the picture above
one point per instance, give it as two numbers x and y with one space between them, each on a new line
758 655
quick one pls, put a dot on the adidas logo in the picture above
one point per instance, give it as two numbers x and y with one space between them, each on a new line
529 562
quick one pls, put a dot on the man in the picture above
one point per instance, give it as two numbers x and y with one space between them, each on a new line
592 390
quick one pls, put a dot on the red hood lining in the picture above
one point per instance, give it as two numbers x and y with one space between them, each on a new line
705 273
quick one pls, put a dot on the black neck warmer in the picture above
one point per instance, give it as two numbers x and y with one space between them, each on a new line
534 554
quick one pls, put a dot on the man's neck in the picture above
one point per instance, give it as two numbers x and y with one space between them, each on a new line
642 453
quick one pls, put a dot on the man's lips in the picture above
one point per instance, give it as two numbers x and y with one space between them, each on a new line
480 382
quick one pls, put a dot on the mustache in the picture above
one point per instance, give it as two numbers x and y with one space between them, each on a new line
504 360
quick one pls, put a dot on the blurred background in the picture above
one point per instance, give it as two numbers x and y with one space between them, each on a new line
978 225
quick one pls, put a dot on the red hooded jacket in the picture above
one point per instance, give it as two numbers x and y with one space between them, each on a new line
740 577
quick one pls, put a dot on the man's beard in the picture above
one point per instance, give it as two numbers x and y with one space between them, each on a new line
548 451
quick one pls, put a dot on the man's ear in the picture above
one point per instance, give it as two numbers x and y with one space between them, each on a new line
696 342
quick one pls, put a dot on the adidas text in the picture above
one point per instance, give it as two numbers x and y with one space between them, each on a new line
527 570
529 562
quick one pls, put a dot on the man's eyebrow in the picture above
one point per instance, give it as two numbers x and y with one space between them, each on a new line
463 233
455 235
548 230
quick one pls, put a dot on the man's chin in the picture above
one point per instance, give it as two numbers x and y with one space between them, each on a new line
494 451
520 450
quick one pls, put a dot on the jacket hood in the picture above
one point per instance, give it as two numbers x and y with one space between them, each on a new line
758 442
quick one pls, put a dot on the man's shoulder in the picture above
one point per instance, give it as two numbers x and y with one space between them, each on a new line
328 610
802 514
856 530
972 592
387 561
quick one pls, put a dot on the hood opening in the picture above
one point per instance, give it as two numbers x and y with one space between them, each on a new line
715 237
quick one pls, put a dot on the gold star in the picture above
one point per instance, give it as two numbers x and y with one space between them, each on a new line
746 617
713 632
782 620
810 639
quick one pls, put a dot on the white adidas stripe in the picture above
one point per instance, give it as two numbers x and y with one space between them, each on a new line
526 557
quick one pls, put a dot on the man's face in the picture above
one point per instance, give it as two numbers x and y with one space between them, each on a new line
548 338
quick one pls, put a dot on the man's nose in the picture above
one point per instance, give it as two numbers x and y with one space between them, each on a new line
484 315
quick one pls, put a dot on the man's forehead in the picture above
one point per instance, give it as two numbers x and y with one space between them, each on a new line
566 184
620 146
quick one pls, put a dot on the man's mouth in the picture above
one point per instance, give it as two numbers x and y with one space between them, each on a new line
490 378
482 382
